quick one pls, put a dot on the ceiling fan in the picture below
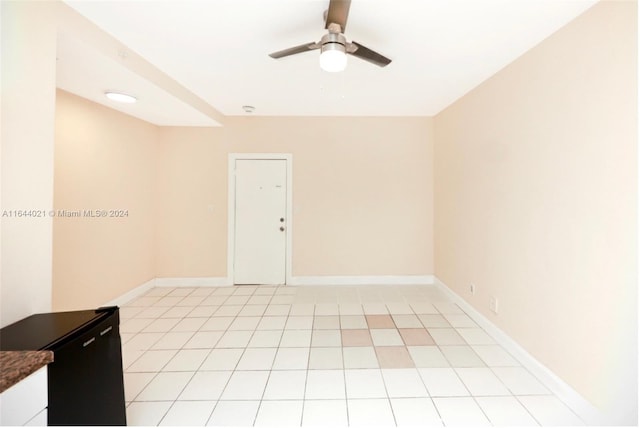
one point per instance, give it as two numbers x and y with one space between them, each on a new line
333 45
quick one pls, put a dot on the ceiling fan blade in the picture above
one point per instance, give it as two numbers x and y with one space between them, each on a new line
295 50
367 54
338 13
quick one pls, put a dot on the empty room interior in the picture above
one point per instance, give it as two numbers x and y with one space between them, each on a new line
445 233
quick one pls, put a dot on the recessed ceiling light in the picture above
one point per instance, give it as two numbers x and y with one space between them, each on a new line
248 109
120 97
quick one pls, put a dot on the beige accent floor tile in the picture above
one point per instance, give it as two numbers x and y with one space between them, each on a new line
416 336
360 337
380 321
394 357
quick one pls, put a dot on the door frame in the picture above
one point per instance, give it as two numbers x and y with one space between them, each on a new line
231 204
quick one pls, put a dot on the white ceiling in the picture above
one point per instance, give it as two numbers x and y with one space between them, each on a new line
218 49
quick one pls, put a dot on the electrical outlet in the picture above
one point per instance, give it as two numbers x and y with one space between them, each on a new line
472 289
493 304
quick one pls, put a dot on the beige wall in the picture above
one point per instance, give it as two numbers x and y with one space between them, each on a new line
536 196
104 160
360 205
28 103
191 208
362 194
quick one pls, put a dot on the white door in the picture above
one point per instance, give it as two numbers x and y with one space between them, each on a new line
260 221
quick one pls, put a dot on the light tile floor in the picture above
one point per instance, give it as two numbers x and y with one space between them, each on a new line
321 356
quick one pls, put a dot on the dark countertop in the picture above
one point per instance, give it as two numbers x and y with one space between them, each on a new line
17 365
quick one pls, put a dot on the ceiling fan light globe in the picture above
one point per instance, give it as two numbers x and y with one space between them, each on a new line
333 59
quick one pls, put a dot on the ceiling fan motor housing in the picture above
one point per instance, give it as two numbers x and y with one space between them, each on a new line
333 41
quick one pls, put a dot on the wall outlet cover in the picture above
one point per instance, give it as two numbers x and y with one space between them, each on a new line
493 304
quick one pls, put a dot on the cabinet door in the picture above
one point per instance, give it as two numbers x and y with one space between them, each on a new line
85 379
24 400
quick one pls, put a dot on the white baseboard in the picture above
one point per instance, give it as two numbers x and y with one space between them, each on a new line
576 402
132 294
213 281
363 280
